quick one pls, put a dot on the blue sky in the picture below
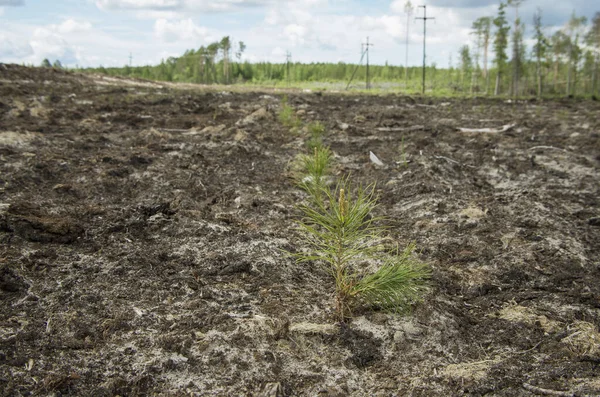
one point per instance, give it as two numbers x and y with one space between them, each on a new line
105 32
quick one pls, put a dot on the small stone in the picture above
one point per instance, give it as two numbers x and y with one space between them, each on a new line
389 384
213 129
399 336
61 187
312 328
240 135
260 114
410 330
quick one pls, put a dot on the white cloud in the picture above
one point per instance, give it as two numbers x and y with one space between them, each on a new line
185 29
295 33
13 3
139 4
48 44
153 14
392 25
278 53
400 6
71 41
174 5
13 48
272 17
326 35
202 5
71 26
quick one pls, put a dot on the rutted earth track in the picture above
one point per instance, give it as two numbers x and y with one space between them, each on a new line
144 227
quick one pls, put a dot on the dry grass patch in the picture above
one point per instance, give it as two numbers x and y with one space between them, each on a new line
517 313
583 338
472 371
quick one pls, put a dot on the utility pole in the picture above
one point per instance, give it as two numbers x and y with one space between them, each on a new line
424 18
366 47
288 58
408 9
362 55
130 58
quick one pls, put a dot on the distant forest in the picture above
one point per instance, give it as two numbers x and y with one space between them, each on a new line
564 63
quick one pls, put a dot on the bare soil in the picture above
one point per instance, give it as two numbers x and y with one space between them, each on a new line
144 230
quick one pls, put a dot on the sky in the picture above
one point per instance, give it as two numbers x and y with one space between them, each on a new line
106 32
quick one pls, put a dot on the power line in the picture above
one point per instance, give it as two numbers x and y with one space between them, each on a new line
424 18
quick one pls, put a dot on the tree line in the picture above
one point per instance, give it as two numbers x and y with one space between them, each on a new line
565 62
214 64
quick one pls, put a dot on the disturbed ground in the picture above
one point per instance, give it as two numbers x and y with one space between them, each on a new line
144 231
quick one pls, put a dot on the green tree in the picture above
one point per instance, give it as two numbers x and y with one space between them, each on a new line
211 54
240 51
573 31
482 28
46 63
500 44
517 39
466 63
592 39
539 49
477 49
589 64
57 65
225 46
559 44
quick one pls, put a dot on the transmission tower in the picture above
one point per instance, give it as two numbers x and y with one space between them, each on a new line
424 18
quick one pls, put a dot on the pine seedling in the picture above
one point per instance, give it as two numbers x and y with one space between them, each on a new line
341 233
287 117
313 170
400 281
316 130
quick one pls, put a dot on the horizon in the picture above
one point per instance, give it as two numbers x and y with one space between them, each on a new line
105 32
